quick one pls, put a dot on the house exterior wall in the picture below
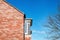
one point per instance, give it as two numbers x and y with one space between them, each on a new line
28 32
11 23
27 37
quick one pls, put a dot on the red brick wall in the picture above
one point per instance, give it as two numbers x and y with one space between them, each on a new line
27 37
11 23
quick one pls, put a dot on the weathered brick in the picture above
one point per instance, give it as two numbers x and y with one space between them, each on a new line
11 22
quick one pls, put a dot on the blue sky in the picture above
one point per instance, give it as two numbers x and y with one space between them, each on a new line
38 10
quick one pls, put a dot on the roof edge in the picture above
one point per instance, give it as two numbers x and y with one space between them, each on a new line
13 7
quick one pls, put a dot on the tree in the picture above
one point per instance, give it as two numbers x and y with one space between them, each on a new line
53 25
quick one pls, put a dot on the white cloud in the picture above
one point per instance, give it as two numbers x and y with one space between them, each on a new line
40 32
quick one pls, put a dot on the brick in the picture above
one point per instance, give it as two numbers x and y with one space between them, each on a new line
11 23
27 37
